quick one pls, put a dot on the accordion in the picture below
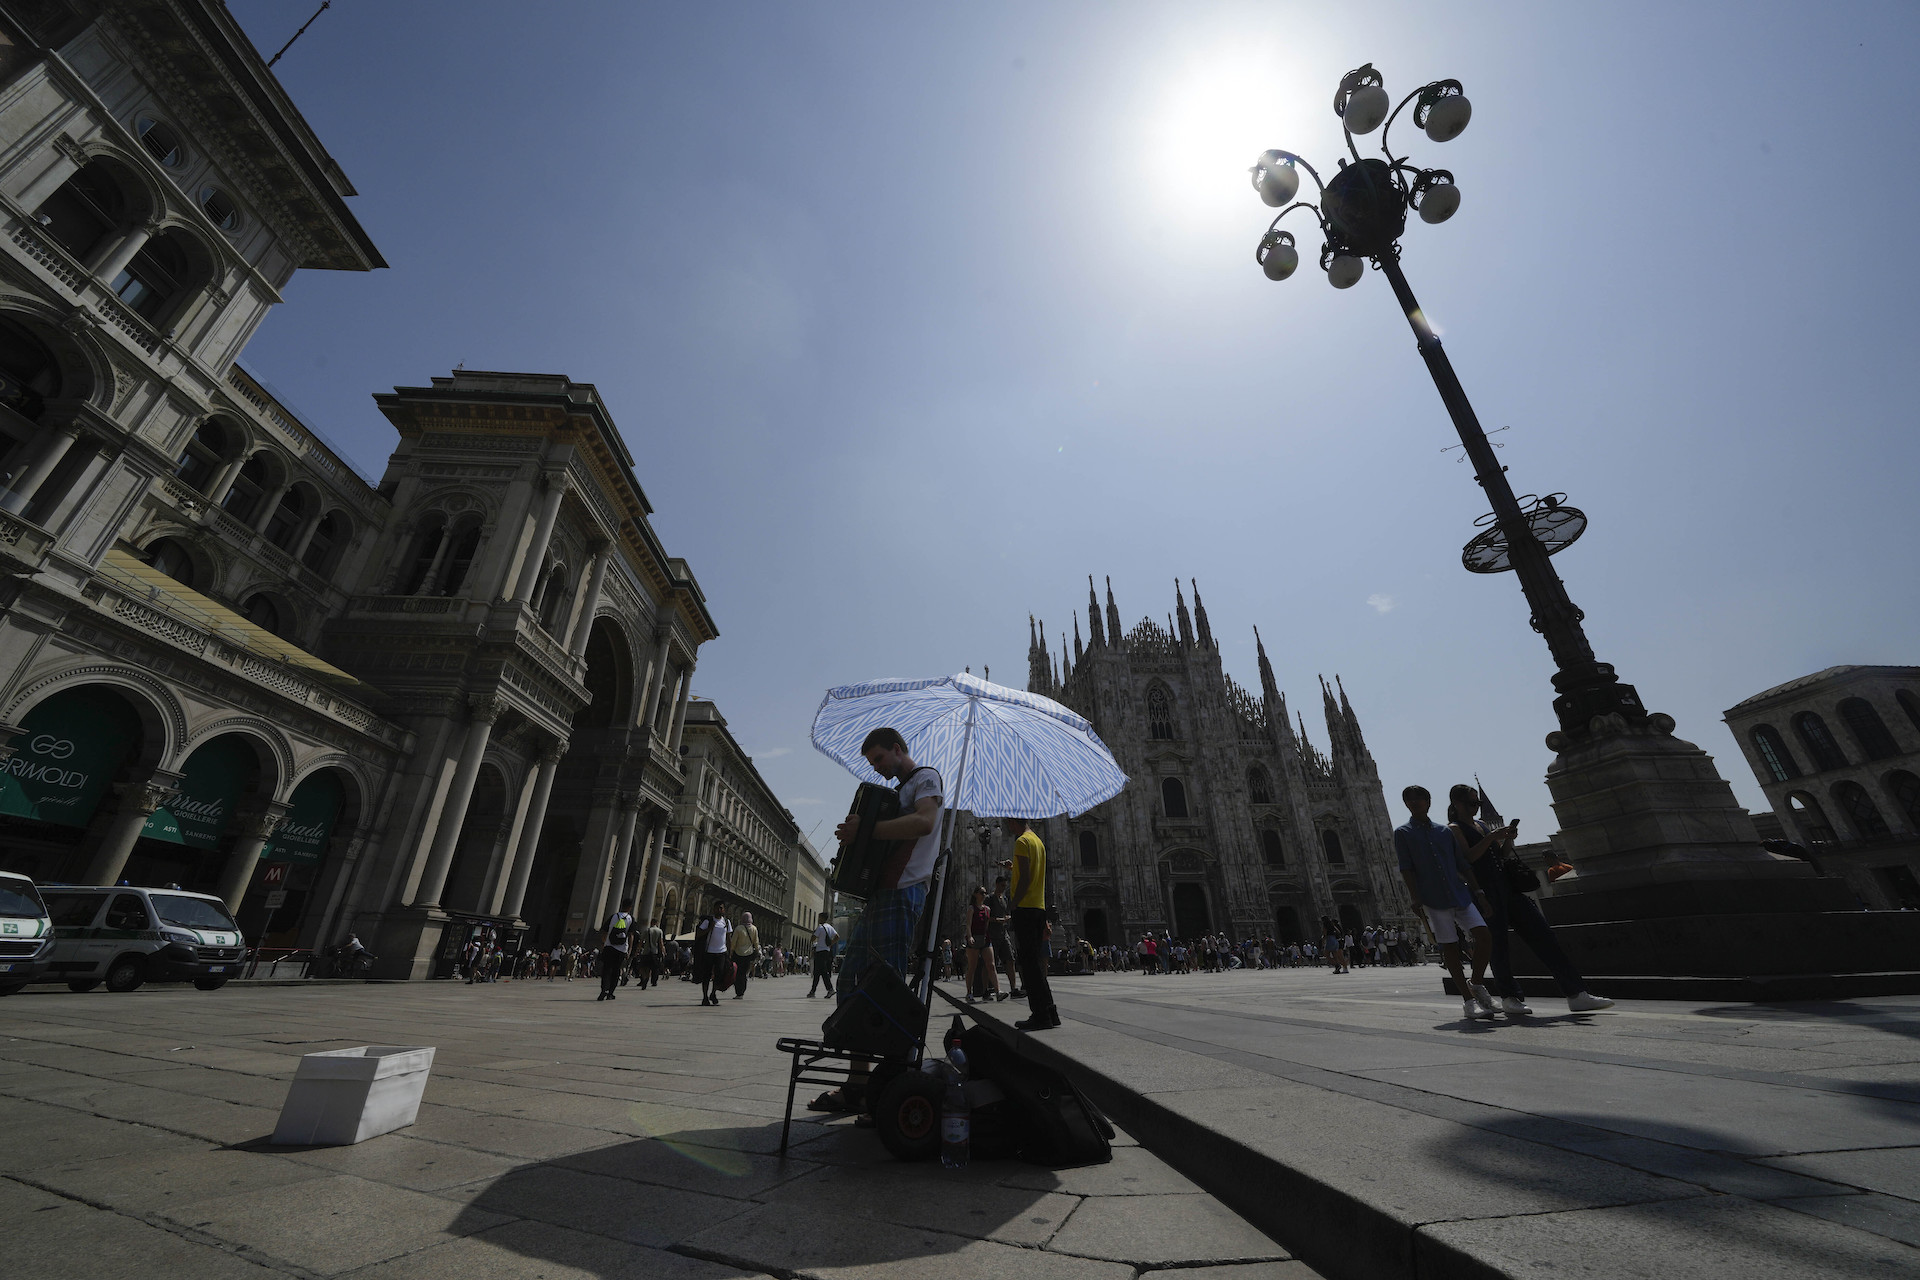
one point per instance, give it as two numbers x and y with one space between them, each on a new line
863 862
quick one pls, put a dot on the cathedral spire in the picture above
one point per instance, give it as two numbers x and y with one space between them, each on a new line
1079 654
1352 721
1037 674
1171 633
1186 621
1268 685
1200 618
1096 639
1115 634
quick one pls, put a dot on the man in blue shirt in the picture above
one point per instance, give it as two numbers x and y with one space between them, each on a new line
1445 892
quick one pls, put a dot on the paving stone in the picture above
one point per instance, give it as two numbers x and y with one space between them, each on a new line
165 1182
75 1242
542 1251
1887 1216
1710 1238
504 1135
963 1201
1132 1172
1158 1230
400 1160
334 1224
1894 1171
39 1135
645 1215
1708 1169
794 1240
712 1170
1290 1270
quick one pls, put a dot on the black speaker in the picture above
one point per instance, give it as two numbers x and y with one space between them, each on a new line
882 1018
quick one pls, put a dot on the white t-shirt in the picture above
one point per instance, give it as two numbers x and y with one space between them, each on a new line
824 937
923 783
619 929
718 935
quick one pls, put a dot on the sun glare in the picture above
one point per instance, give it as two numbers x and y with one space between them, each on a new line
1215 115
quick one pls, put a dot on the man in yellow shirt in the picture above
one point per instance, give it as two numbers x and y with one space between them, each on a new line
1029 868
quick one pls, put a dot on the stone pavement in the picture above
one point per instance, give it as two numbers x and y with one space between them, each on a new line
560 1138
1361 1122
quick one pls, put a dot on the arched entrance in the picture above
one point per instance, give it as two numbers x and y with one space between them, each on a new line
71 749
187 840
1286 925
609 678
480 835
1190 915
283 895
1094 927
1350 918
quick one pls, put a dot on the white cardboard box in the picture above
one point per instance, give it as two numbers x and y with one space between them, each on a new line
344 1096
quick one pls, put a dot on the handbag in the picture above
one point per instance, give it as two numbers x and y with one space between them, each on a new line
1520 877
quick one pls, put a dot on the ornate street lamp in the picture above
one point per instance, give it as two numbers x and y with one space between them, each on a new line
1362 214
983 830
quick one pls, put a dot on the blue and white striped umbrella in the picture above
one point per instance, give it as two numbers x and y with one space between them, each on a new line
1002 752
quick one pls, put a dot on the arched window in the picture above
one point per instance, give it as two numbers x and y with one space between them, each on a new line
327 537
287 519
1159 714
262 613
1810 818
157 276
1910 703
460 559
1258 789
1868 729
1270 851
426 545
1819 742
1089 851
90 207
1330 841
1905 790
1773 753
1860 810
248 490
200 461
28 372
169 556
161 142
1174 797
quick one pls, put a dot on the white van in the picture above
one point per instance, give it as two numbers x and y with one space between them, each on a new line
26 934
128 936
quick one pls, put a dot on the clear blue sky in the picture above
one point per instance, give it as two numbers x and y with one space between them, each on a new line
914 316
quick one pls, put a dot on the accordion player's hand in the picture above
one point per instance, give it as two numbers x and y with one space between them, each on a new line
848 828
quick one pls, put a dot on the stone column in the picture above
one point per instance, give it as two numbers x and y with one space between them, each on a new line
453 813
307 530
68 160
656 850
577 642
138 801
223 479
529 845
59 440
270 503
622 851
536 552
349 859
115 260
656 676
255 830
680 709
431 578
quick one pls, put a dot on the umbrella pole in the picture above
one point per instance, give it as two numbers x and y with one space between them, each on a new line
942 867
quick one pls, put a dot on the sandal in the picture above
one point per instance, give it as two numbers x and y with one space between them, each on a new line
835 1100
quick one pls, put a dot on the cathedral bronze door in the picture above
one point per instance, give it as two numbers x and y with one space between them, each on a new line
1190 916
1096 927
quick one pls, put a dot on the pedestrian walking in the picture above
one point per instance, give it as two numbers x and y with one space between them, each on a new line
746 953
615 939
647 964
825 936
999 920
982 981
1030 926
1444 890
711 952
1490 854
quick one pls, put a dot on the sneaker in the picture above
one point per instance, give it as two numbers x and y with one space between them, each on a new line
1036 1023
970 999
1514 1006
1587 1002
1473 1012
1483 998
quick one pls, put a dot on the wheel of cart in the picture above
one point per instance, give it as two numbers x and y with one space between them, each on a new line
907 1114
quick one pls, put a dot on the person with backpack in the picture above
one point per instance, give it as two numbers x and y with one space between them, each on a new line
824 938
711 957
613 952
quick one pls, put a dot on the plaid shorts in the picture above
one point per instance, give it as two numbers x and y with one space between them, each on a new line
884 932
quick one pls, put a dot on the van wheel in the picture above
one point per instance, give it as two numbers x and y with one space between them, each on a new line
84 986
125 975
209 984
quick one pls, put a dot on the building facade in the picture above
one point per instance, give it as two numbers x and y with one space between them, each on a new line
455 698
1838 755
1233 820
809 897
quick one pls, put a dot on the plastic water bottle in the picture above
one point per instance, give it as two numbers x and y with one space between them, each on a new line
956 1117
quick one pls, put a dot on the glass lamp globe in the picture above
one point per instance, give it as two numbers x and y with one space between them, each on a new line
1275 180
1345 271
1367 106
1439 203
1447 118
1281 261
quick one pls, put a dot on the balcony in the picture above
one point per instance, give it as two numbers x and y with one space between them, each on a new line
23 545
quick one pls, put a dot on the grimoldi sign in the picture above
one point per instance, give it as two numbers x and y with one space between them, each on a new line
211 784
72 747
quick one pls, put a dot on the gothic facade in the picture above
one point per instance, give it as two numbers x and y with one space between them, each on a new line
1233 820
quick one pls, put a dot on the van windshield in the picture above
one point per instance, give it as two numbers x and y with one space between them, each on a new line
17 898
193 913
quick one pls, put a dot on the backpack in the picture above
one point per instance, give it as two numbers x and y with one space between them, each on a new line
1057 1126
700 932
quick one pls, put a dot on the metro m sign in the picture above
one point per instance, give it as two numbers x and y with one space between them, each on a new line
274 873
